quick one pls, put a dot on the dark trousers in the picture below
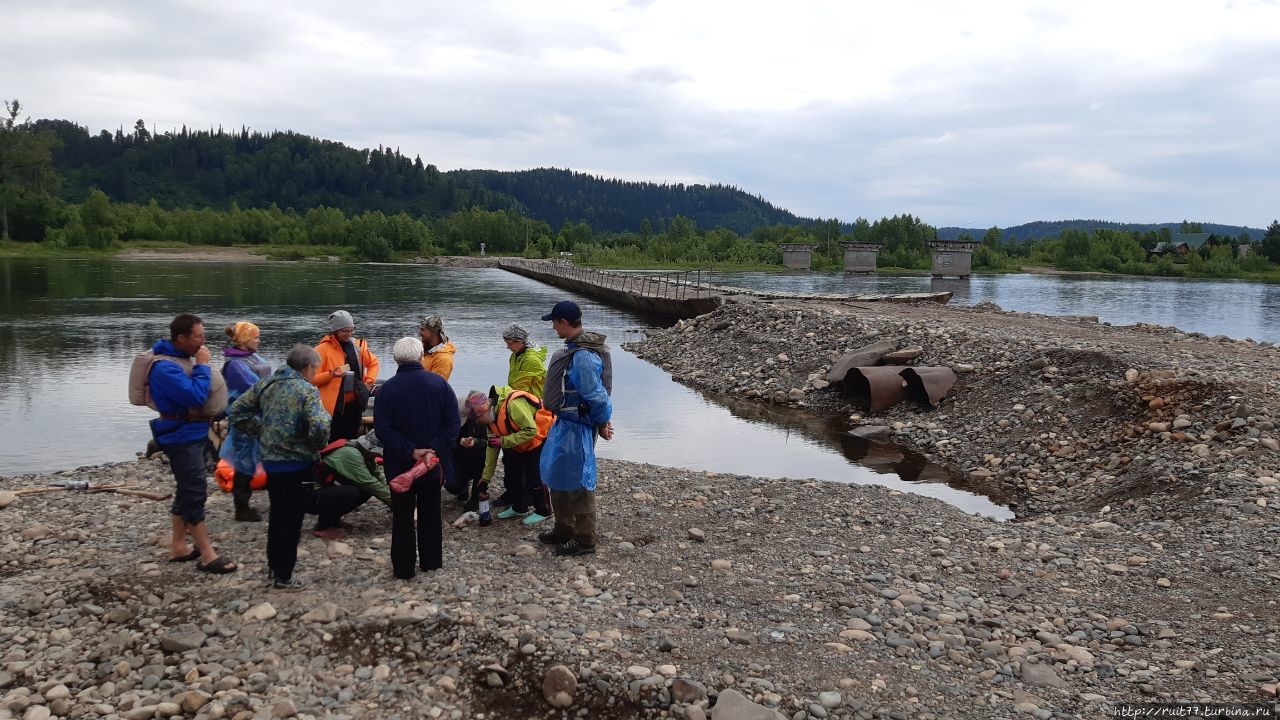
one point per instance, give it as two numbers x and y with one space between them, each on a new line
346 422
524 481
284 520
331 502
468 468
241 490
575 516
186 460
420 543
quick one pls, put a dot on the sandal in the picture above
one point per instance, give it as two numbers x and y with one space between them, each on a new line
218 566
193 555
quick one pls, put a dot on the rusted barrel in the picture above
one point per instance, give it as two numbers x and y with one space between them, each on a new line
874 388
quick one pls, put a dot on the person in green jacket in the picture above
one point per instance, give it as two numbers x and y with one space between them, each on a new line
355 463
517 428
527 364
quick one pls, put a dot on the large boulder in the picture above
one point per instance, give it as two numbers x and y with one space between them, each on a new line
865 356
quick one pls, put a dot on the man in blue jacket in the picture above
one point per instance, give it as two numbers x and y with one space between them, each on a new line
579 382
181 385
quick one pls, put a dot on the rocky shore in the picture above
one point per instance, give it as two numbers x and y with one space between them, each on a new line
1142 567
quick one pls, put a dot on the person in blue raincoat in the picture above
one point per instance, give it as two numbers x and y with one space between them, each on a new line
579 383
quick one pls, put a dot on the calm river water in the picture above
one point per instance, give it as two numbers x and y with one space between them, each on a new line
69 328
1214 307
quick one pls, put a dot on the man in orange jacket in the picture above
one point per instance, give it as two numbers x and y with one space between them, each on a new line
346 376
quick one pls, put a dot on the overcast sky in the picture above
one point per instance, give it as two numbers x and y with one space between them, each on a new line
963 113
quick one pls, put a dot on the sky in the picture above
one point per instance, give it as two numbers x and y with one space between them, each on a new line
960 113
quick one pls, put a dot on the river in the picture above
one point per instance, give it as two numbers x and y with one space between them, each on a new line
1232 308
69 328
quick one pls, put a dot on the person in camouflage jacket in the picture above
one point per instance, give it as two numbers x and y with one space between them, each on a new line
285 414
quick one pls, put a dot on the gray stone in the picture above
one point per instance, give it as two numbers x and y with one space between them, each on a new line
871 432
559 686
684 690
864 356
325 612
1040 675
183 638
733 705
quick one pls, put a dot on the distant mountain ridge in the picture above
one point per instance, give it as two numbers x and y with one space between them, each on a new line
218 169
1044 229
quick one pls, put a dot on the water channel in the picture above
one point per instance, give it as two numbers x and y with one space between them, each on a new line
69 328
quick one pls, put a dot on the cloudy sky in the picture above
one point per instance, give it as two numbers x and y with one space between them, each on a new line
963 113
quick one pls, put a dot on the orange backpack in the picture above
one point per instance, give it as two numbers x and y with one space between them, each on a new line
544 419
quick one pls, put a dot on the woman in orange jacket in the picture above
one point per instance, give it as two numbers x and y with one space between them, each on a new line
341 354
439 351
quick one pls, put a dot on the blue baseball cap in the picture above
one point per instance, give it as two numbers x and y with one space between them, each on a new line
564 310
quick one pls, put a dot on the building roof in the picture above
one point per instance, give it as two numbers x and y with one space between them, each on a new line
1193 240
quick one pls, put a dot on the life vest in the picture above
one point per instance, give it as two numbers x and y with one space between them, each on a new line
544 419
226 477
140 385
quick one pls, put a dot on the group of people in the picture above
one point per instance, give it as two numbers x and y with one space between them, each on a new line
303 425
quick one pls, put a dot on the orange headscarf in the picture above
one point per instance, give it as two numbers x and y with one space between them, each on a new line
242 332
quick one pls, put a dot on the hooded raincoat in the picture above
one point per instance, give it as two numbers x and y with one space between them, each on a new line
569 456
241 369
527 370
439 359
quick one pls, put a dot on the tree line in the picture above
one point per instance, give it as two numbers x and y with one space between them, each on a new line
61 185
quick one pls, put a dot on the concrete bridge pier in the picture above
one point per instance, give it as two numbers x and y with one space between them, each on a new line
860 257
952 258
797 256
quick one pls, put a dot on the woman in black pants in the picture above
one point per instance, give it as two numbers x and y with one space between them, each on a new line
285 414
415 417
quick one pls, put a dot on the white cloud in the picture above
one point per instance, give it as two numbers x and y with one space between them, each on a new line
962 113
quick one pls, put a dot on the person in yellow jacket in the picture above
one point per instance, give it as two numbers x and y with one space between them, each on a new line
340 353
527 366
517 428
438 357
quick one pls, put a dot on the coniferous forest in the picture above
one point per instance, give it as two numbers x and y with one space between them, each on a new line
297 195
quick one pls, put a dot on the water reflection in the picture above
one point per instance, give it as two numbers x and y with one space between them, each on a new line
958 287
865 462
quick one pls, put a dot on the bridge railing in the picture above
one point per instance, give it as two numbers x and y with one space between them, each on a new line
676 285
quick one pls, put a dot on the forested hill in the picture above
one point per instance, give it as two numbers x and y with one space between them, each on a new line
611 205
215 168
1041 229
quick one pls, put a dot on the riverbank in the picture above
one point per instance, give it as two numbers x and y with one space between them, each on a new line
1143 568
821 600
1068 414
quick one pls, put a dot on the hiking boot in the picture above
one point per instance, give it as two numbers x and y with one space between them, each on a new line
572 549
549 537
244 513
290 584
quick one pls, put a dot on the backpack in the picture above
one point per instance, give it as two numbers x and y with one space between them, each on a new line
140 385
543 418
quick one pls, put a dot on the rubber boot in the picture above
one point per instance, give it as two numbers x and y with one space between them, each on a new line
240 494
